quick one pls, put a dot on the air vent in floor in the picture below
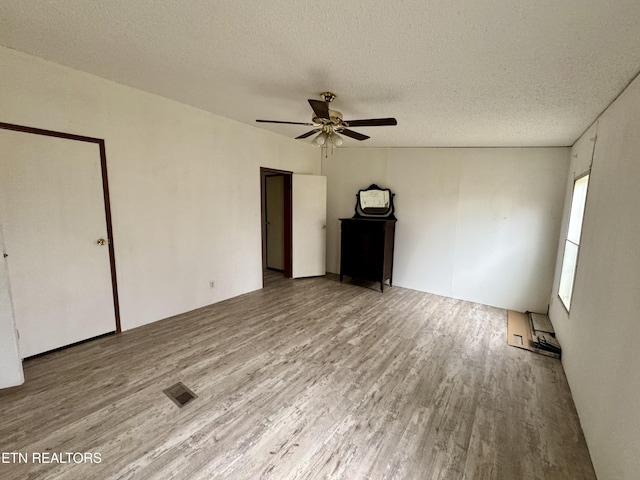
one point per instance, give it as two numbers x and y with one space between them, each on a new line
180 394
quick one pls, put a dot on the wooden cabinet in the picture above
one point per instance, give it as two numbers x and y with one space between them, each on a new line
366 249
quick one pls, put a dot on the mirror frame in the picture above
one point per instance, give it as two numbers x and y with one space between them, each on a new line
373 212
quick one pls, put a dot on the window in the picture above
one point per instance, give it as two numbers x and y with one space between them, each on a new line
572 243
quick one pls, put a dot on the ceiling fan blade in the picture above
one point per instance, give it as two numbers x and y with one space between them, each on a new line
372 122
352 134
320 108
308 134
289 123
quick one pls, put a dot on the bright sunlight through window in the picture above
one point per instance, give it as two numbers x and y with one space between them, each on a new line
572 244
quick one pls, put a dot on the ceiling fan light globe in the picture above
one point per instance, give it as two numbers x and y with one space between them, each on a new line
321 139
336 139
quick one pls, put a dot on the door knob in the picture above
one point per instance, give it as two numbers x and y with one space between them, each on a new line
101 241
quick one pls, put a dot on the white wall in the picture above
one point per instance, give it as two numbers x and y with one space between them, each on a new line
600 336
184 183
481 224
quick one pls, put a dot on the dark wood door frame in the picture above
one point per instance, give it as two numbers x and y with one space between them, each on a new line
105 192
288 225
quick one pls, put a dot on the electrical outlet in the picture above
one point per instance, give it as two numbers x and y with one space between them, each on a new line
212 284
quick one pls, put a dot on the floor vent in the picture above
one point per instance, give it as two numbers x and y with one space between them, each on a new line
179 394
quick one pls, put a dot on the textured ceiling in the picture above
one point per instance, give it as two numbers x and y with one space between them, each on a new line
454 73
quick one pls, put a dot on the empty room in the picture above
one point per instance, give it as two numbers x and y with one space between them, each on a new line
328 240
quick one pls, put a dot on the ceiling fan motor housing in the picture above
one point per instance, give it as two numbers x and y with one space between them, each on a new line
335 119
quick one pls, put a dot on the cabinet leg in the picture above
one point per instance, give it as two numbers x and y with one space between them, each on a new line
382 287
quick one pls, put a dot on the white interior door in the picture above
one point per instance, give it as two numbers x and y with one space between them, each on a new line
52 214
274 213
309 223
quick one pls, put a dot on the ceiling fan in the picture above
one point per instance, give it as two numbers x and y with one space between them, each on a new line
329 123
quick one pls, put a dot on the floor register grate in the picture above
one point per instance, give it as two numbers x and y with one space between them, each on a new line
180 394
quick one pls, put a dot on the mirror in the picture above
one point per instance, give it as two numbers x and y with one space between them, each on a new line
375 202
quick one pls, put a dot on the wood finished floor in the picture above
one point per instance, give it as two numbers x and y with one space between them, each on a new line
305 379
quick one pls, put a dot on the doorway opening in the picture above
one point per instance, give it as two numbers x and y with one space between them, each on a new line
277 231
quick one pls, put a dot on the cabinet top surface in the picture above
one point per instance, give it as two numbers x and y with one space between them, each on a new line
361 219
